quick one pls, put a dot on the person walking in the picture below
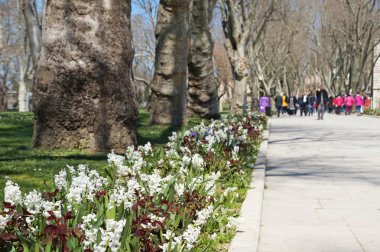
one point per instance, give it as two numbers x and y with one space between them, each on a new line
322 99
292 101
284 104
302 99
310 103
349 101
338 104
331 104
278 103
359 102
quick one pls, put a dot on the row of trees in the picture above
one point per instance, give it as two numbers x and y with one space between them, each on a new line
186 54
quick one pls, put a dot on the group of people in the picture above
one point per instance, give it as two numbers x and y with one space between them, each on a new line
319 101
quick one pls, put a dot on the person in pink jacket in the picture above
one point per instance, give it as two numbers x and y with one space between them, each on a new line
359 102
338 102
349 101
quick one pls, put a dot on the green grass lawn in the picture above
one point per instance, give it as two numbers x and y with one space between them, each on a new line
35 169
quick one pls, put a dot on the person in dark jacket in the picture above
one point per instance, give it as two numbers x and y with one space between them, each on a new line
322 100
292 102
331 104
310 103
278 103
302 101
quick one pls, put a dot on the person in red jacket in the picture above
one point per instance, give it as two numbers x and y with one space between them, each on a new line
338 102
349 101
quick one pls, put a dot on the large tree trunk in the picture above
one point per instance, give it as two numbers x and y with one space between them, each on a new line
83 94
3 96
241 71
169 85
202 86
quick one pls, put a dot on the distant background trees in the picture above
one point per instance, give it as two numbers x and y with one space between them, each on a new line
194 58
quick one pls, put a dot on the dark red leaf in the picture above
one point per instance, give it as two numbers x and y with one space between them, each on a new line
50 229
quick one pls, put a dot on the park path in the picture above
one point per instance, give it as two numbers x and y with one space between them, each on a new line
322 185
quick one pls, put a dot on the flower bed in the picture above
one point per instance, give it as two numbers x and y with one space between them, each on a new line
178 198
373 112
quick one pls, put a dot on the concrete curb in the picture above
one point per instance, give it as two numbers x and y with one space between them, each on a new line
248 232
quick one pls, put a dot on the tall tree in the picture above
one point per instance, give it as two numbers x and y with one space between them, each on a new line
83 95
169 85
33 27
243 21
10 27
202 86
144 43
345 42
30 34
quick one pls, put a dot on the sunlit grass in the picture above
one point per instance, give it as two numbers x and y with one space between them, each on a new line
35 169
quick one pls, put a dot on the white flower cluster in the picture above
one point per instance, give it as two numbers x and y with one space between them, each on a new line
133 161
54 207
12 193
229 190
155 183
146 149
234 222
235 153
197 162
60 179
4 220
84 184
33 202
210 182
111 236
120 194
191 235
90 233
203 215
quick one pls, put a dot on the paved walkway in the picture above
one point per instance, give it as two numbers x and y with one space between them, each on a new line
322 185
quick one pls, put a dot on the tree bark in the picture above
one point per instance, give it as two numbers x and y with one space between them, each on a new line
169 85
239 28
22 89
83 94
25 65
3 97
241 75
202 86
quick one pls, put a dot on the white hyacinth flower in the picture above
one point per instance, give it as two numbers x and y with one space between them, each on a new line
12 193
203 215
191 235
197 162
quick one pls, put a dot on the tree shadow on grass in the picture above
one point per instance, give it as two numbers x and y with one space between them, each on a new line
159 139
95 157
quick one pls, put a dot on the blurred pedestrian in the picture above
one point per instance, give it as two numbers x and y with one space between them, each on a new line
349 102
322 99
284 104
310 103
330 104
292 101
359 102
302 102
338 101
278 103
